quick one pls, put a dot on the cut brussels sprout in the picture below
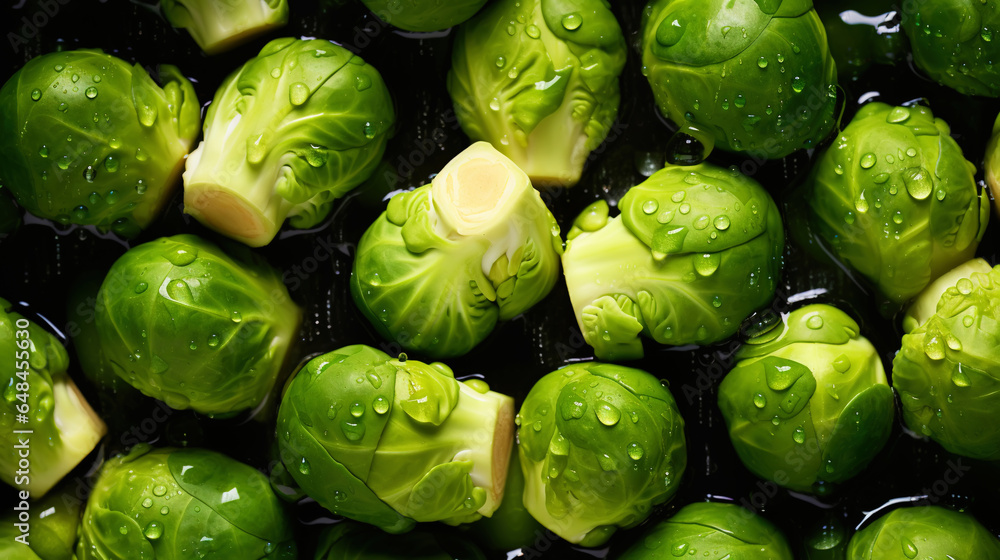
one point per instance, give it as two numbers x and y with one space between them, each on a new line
538 79
220 25
47 426
392 442
600 445
196 327
713 531
446 261
173 504
290 131
993 164
86 138
952 41
695 251
948 371
808 402
351 541
424 15
924 532
894 199
751 75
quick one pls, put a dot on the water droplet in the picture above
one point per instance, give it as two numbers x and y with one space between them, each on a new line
679 195
607 463
90 92
934 348
986 34
679 549
868 160
762 62
798 84
722 222
861 204
572 21
153 531
685 208
635 451
370 130
898 115
147 503
43 151
799 435
707 263
140 155
650 206
147 115
897 218
495 104
380 405
759 400
36 94
362 82
532 31
909 549
81 212
304 467
353 431
511 30
669 32
236 316
316 156
159 491
842 363
918 182
912 152
357 410
959 377
141 287
298 93
608 414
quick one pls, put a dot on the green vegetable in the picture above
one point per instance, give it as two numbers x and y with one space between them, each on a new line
924 532
352 541
860 33
948 371
992 164
49 531
392 442
713 531
220 25
538 79
808 402
290 131
695 251
511 525
600 445
952 41
183 503
196 327
751 75
895 199
424 15
86 138
40 398
446 261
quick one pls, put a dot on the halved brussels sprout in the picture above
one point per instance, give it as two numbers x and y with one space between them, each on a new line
220 25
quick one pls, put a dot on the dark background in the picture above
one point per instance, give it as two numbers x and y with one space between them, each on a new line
40 263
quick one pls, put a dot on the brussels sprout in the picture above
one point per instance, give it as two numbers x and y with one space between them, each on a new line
49 532
290 131
895 200
808 402
948 371
600 445
538 79
86 138
195 327
446 261
511 525
350 541
862 33
755 75
713 531
183 503
993 164
220 25
924 532
952 41
56 424
695 251
391 442
424 15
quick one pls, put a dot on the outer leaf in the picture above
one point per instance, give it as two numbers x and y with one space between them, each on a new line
933 532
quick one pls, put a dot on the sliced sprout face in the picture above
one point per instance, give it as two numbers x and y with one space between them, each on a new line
715 530
894 199
538 79
695 251
62 425
424 15
220 25
599 446
755 76
289 132
352 541
923 532
947 373
392 442
952 41
195 326
446 261
86 138
173 504
808 403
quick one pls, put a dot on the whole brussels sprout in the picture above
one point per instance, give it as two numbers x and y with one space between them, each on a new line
424 15
695 251
293 129
57 426
446 261
538 79
49 531
86 138
196 327
924 532
220 25
756 75
952 41
390 442
511 526
183 503
353 541
600 445
948 371
895 200
992 164
714 531
808 402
